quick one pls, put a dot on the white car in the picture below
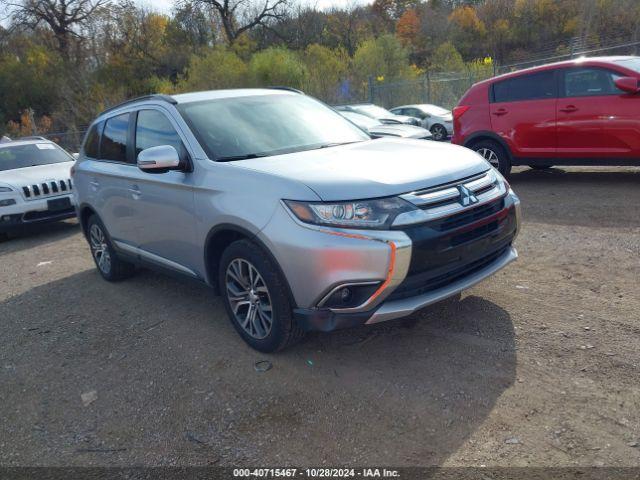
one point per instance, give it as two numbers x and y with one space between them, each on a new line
438 120
35 183
378 113
377 129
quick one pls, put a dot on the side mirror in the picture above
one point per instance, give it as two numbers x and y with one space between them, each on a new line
628 84
158 159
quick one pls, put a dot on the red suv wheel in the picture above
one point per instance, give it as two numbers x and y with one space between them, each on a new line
495 154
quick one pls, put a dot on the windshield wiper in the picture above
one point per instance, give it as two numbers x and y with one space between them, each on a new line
246 156
337 144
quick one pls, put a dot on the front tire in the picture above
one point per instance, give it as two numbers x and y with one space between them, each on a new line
439 132
495 154
256 298
109 264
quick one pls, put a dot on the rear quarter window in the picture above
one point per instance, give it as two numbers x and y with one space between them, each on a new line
113 146
92 142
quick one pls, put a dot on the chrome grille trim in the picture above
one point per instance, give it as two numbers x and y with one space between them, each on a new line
435 204
50 188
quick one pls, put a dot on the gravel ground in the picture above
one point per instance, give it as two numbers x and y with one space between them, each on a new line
537 366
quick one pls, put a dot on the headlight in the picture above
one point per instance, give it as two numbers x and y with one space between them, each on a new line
6 203
5 189
373 214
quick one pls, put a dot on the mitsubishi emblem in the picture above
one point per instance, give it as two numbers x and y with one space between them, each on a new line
466 196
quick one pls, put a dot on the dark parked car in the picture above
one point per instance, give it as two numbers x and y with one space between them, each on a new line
578 112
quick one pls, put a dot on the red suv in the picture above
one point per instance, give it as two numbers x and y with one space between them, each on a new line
578 112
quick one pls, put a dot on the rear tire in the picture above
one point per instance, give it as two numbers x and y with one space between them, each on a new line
256 298
495 154
439 132
109 264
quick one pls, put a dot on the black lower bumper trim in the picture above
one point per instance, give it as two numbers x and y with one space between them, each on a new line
18 221
326 321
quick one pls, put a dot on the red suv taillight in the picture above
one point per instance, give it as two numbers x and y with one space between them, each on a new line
459 111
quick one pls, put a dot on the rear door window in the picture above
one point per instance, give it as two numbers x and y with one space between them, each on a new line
590 82
536 86
113 146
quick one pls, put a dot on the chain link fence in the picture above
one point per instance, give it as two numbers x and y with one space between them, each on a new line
444 89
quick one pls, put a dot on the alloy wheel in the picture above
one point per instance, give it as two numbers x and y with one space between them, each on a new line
249 298
100 248
490 156
438 132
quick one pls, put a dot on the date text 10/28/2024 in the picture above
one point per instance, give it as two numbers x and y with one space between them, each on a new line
315 473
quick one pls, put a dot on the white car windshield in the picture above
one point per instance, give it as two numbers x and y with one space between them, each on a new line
263 125
31 155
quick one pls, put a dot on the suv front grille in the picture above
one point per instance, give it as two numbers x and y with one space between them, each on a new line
470 224
459 198
425 282
54 187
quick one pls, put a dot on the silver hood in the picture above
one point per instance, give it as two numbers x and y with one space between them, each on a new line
20 177
375 168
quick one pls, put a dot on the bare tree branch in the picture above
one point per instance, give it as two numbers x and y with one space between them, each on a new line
65 18
239 16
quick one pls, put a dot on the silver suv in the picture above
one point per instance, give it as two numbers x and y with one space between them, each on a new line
293 214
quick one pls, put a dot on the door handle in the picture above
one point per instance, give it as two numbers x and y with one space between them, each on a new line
501 111
569 109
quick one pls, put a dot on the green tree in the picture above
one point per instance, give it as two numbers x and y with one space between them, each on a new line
384 58
277 66
29 80
218 68
447 59
468 31
326 68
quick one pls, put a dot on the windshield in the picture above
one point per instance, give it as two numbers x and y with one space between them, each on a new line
262 125
31 155
361 120
373 111
631 63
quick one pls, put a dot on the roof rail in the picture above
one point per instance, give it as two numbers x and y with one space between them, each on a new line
288 89
155 96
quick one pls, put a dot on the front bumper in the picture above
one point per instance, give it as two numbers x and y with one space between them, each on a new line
327 320
24 213
414 267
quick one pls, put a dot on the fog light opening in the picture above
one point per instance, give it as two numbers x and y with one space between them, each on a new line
349 295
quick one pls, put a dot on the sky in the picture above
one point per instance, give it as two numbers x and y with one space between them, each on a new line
165 6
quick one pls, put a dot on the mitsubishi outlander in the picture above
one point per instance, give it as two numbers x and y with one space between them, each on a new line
298 218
